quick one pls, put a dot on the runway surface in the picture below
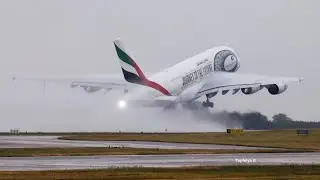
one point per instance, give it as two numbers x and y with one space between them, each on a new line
52 141
85 162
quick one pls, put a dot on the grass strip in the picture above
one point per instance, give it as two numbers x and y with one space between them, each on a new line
186 173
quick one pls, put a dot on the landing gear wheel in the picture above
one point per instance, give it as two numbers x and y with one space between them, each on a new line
207 104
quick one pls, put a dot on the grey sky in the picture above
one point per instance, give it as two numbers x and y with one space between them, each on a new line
74 37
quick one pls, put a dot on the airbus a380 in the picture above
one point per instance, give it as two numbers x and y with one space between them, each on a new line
205 74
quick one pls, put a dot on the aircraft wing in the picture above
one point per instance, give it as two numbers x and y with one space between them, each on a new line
91 86
225 82
247 83
90 83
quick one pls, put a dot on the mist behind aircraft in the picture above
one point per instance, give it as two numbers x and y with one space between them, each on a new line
64 109
74 38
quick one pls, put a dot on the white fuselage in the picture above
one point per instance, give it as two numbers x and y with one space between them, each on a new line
177 78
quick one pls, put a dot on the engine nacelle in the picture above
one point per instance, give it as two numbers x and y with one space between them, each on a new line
275 89
91 89
250 90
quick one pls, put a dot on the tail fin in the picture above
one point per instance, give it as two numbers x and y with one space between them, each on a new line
131 71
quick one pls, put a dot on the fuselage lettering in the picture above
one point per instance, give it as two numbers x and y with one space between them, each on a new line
197 74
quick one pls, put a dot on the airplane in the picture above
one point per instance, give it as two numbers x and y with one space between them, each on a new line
203 75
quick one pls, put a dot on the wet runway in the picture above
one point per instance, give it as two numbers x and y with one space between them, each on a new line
52 141
86 162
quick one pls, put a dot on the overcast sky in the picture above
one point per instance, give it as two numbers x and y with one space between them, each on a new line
74 37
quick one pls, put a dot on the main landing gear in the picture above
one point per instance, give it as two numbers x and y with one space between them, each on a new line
207 103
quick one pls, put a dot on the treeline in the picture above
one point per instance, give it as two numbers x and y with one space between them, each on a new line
258 121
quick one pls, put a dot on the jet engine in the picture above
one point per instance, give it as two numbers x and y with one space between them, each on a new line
250 90
275 89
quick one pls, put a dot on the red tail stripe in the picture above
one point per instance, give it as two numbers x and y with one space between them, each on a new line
146 82
157 87
140 73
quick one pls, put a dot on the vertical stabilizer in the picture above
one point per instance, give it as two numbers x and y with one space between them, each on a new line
131 71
